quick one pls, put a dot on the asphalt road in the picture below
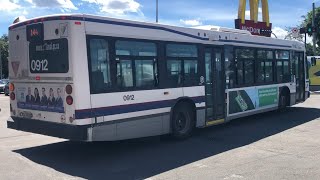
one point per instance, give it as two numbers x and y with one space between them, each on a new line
266 146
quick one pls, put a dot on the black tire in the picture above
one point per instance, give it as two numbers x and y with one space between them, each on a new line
7 94
183 120
283 102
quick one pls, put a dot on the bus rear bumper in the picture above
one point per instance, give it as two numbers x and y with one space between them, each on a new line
65 131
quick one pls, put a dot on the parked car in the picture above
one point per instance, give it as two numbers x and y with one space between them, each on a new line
5 81
2 85
6 89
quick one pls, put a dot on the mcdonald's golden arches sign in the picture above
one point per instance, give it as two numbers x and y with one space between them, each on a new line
253 25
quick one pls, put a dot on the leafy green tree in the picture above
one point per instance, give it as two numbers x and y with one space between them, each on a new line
308 20
310 52
4 48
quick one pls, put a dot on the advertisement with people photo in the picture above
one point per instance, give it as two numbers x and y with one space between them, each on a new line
40 99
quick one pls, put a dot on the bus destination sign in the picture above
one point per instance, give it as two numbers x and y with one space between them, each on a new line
35 32
50 56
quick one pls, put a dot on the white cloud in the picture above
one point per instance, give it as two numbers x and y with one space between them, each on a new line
206 27
309 39
279 32
9 5
25 12
259 13
117 6
191 22
65 4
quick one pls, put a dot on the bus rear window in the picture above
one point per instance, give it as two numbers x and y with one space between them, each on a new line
49 56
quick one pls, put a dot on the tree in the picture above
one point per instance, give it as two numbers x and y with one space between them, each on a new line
4 48
308 20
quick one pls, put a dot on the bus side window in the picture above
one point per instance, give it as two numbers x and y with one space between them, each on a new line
245 66
99 70
230 68
125 74
283 66
136 64
175 71
264 67
145 75
182 65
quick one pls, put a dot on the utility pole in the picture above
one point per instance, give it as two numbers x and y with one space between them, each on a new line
157 11
313 26
0 64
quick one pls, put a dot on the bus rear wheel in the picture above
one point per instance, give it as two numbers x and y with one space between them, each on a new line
183 121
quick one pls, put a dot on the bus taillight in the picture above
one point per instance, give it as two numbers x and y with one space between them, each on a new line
12 96
69 89
69 100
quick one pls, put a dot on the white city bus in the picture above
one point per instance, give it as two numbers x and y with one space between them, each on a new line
91 78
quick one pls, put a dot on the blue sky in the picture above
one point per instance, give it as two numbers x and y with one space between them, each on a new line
283 13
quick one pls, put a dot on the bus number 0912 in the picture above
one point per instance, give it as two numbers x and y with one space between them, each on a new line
39 65
128 97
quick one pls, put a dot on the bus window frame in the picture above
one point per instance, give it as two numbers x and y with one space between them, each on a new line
274 66
265 60
199 58
161 58
242 60
282 62
113 63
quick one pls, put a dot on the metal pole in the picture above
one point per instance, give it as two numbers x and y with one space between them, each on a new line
157 11
0 64
313 25
305 41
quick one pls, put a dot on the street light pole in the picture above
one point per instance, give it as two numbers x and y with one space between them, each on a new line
157 11
0 64
313 25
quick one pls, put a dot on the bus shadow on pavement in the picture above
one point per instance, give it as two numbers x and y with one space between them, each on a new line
143 158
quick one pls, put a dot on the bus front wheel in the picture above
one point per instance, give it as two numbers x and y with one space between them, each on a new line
283 102
183 120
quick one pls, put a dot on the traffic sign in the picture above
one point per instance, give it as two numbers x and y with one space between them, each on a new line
295 32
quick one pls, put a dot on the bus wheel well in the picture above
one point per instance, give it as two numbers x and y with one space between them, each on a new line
285 92
186 101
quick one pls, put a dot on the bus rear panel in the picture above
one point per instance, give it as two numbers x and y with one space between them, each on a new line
42 77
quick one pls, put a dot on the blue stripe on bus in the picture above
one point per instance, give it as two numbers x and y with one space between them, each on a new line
122 109
104 21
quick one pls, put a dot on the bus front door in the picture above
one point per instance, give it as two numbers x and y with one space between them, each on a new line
300 76
214 88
